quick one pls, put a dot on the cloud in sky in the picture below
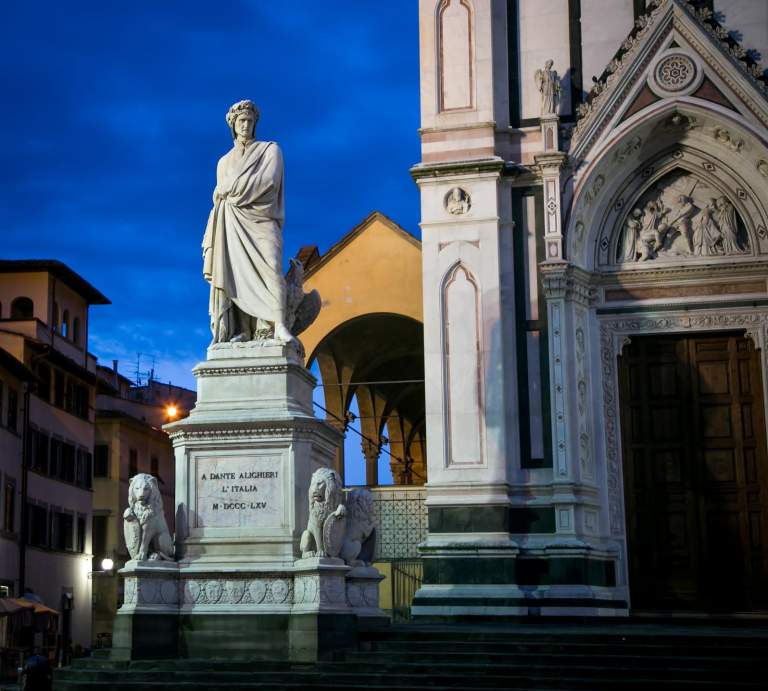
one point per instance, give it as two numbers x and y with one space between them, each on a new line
113 121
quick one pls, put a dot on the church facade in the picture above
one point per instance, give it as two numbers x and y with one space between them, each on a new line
595 258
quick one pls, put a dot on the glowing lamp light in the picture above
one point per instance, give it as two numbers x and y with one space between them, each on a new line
107 564
171 411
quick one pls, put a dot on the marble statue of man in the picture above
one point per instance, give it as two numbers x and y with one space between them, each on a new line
548 84
243 244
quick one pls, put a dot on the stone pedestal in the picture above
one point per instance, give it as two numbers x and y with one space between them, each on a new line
146 625
363 594
244 458
244 461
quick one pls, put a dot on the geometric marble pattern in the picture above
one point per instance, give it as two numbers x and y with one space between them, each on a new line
400 515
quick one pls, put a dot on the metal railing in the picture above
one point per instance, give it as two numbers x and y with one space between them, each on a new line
406 580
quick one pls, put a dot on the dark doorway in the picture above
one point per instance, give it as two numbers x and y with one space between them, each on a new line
695 473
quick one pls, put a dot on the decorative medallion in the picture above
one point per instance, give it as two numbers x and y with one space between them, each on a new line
213 591
236 591
191 591
257 590
675 72
280 590
457 201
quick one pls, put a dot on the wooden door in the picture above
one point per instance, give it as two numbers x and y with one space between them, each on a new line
695 473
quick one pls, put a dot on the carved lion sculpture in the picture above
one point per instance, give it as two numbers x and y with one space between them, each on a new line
146 532
360 536
325 528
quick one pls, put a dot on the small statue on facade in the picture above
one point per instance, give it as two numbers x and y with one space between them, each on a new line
726 221
548 84
706 235
327 516
360 537
146 532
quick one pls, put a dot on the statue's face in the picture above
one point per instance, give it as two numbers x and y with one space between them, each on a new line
143 492
318 491
244 125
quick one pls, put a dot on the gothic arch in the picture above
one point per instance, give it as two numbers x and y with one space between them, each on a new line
462 366
720 146
455 55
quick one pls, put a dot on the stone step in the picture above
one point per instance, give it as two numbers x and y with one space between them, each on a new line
377 657
690 649
444 675
412 682
206 686
728 637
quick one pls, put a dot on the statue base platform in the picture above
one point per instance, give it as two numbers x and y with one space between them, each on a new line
304 613
244 462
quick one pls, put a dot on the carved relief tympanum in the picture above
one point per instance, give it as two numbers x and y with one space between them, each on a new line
681 216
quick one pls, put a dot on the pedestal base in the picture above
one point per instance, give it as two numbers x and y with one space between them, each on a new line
244 459
304 613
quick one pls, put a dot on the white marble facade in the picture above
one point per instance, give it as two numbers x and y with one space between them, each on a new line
649 208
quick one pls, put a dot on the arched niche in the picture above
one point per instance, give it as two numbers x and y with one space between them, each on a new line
22 308
455 55
462 366
710 143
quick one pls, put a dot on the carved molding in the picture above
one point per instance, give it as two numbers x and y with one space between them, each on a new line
208 371
583 398
210 432
558 386
564 281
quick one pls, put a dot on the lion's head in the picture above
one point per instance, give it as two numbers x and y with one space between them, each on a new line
325 489
143 494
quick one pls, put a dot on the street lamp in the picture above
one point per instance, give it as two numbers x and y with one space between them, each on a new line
107 564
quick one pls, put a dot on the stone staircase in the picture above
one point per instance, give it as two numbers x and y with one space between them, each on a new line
594 656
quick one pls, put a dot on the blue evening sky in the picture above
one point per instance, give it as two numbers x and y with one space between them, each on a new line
112 121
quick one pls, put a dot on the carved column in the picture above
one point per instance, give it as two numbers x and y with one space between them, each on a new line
550 164
568 293
371 453
339 426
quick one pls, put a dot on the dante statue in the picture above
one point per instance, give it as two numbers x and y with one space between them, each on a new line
548 84
243 243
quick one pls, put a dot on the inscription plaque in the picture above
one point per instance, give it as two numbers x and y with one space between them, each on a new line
238 492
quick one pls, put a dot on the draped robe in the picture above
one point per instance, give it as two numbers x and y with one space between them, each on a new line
243 245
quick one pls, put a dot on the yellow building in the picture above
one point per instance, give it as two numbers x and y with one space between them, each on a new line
368 342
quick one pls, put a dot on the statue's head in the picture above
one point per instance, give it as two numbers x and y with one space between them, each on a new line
325 488
143 489
242 118
548 64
